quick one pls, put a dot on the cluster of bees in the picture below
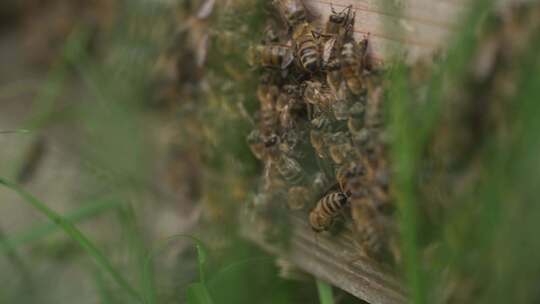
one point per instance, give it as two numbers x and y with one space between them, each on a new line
319 130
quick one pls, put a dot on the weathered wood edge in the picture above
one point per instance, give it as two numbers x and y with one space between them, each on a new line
335 259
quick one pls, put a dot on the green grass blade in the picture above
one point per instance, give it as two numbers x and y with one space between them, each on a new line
326 295
149 292
88 246
103 291
39 231
197 293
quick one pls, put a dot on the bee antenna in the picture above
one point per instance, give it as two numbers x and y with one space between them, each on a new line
346 8
332 8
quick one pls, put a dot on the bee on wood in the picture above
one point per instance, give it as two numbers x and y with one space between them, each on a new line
372 230
306 43
375 235
290 170
352 63
338 28
292 11
340 23
326 210
298 197
303 33
277 56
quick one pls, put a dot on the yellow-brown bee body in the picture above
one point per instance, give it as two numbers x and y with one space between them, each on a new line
355 122
298 197
339 147
292 11
340 22
374 232
319 95
307 47
290 170
338 28
351 62
271 56
326 210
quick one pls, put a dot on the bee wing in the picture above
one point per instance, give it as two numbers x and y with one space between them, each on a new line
327 50
333 188
287 59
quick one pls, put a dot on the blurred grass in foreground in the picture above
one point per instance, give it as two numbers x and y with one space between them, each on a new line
488 239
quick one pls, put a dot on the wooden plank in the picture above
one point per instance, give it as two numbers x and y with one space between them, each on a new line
333 258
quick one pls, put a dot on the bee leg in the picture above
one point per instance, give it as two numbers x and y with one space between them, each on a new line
333 10
317 34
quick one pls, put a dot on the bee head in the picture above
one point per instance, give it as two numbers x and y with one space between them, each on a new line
340 17
343 199
271 140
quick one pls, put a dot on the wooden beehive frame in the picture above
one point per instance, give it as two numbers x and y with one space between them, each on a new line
421 28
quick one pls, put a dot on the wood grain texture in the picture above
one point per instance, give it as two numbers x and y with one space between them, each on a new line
334 259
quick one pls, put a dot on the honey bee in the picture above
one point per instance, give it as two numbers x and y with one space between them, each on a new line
290 106
355 123
292 11
307 47
271 36
340 109
375 233
339 147
338 28
351 179
326 210
317 135
372 230
374 108
298 197
290 170
317 94
340 23
353 57
271 56
289 141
